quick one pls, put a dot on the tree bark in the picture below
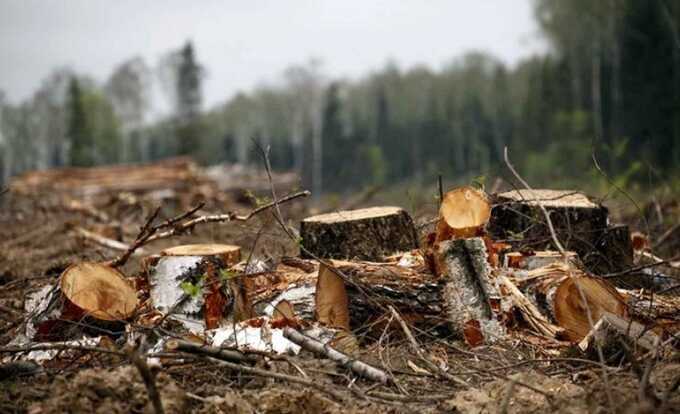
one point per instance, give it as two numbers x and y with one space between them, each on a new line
367 234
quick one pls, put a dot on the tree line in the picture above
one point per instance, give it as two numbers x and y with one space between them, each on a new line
609 86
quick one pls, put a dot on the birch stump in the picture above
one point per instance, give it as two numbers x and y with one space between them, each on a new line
192 283
470 295
367 234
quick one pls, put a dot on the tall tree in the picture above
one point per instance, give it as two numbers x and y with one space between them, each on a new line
81 148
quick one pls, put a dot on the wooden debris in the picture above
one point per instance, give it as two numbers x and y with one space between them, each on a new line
534 260
98 291
610 329
177 173
187 282
331 300
470 296
367 234
559 292
463 213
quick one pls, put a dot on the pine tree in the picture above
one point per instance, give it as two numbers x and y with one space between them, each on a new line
78 131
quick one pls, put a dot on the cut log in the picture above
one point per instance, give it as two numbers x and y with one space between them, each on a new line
559 292
373 287
463 213
367 234
578 222
193 284
535 260
470 296
611 329
98 291
332 302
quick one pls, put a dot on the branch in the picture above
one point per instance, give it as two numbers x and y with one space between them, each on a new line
358 367
149 380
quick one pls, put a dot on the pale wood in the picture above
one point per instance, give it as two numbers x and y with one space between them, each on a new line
228 253
463 213
331 300
100 291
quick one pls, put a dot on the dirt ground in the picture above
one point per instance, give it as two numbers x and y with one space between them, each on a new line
37 242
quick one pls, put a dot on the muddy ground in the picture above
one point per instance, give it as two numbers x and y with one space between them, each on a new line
37 242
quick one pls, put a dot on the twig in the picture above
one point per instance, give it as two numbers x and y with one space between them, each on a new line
290 378
358 367
106 242
506 398
416 348
149 380
211 351
61 347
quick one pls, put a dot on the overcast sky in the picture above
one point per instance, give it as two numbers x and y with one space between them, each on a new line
243 43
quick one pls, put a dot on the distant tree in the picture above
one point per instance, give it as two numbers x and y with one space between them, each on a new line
128 91
82 148
189 100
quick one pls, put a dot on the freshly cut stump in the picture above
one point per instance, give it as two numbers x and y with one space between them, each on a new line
98 291
580 225
367 234
463 213
192 283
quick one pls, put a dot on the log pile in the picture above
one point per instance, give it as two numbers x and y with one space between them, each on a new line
171 174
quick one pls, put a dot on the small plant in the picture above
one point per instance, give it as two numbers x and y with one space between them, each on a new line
191 289
226 274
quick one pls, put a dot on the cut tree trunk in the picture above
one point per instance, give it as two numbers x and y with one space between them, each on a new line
372 288
470 295
559 292
95 295
463 213
580 225
192 283
98 291
367 234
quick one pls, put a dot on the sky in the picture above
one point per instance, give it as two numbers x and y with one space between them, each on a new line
247 42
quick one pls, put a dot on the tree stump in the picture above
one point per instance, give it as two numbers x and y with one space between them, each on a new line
192 283
366 234
98 291
580 225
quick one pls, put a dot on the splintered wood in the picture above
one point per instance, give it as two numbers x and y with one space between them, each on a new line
366 234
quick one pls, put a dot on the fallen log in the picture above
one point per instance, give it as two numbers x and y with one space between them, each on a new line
570 298
192 283
358 367
367 234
